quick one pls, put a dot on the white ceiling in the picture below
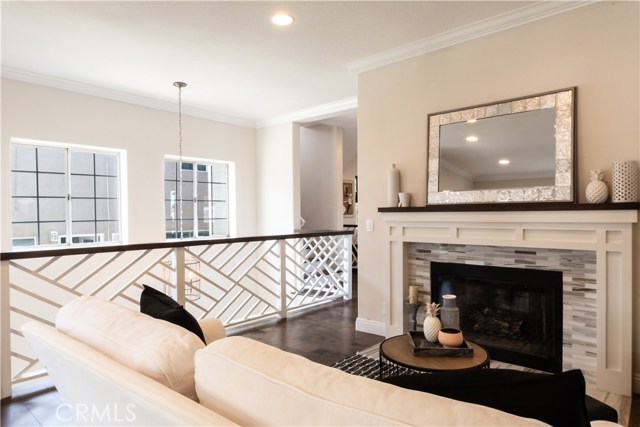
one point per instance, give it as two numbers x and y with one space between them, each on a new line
239 67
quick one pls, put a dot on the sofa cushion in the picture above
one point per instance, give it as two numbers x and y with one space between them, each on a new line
158 349
161 306
557 399
252 383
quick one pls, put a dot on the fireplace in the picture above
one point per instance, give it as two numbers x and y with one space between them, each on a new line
591 244
515 313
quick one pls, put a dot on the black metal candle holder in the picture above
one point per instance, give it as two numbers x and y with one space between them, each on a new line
413 312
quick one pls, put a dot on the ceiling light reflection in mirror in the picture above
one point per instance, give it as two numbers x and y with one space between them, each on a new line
282 19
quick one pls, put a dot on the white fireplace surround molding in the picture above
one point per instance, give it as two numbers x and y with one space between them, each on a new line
609 233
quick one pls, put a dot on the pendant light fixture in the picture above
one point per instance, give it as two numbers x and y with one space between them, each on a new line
179 197
191 265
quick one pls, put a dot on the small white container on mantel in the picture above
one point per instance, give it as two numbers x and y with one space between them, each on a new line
405 200
624 181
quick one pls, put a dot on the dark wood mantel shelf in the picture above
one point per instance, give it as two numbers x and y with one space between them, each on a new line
500 207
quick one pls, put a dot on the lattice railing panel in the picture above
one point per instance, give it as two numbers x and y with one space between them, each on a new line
237 282
240 282
317 270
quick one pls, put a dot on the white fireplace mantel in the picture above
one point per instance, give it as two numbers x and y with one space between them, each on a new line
609 233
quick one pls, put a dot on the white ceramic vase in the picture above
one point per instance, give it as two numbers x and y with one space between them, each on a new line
624 178
393 186
596 191
431 328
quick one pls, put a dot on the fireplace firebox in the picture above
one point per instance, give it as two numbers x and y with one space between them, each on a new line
515 313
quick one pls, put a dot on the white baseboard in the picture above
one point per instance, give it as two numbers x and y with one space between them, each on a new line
370 327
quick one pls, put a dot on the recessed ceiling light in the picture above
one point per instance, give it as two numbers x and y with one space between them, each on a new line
471 138
504 161
282 19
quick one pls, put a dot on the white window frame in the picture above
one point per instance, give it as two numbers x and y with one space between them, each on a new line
231 196
121 196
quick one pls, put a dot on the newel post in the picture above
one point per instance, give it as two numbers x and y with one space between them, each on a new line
282 244
5 331
180 276
348 248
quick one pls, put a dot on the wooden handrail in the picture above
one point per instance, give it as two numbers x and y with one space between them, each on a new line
43 253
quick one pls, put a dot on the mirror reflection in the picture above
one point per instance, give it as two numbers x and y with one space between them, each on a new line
513 151
519 150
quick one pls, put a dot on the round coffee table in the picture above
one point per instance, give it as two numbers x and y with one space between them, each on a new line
396 353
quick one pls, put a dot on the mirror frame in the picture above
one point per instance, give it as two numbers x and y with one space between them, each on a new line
564 189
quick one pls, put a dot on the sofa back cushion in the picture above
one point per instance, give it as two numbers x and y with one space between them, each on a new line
252 383
156 348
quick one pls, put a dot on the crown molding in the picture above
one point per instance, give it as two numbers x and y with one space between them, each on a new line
522 16
114 95
319 112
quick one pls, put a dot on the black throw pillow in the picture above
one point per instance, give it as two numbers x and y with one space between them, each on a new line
556 399
162 306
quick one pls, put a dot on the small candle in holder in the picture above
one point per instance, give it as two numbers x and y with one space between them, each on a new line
413 294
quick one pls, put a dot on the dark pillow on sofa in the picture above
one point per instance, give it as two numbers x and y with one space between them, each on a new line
556 399
162 306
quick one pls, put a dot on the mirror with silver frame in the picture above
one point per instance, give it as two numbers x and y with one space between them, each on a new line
519 150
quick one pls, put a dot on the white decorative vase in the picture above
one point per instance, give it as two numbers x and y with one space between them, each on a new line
431 325
597 191
393 186
624 178
431 329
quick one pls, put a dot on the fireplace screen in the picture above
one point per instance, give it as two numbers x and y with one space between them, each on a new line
515 313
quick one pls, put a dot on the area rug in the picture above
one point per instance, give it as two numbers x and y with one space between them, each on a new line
366 363
362 366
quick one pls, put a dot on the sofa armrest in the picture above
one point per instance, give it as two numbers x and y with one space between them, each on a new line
212 328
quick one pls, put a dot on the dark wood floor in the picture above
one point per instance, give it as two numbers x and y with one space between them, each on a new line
634 418
325 335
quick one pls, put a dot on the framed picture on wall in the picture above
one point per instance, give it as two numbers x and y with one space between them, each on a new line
348 200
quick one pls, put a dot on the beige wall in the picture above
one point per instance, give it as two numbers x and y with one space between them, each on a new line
595 48
42 113
319 194
278 179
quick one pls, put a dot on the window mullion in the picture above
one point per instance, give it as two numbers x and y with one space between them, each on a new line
69 213
195 199
95 200
211 218
38 230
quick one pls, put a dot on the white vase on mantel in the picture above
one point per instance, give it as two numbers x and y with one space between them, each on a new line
596 191
393 186
624 181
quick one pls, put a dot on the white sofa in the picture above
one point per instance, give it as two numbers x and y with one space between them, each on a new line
97 351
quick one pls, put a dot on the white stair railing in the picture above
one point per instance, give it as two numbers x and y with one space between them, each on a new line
239 281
